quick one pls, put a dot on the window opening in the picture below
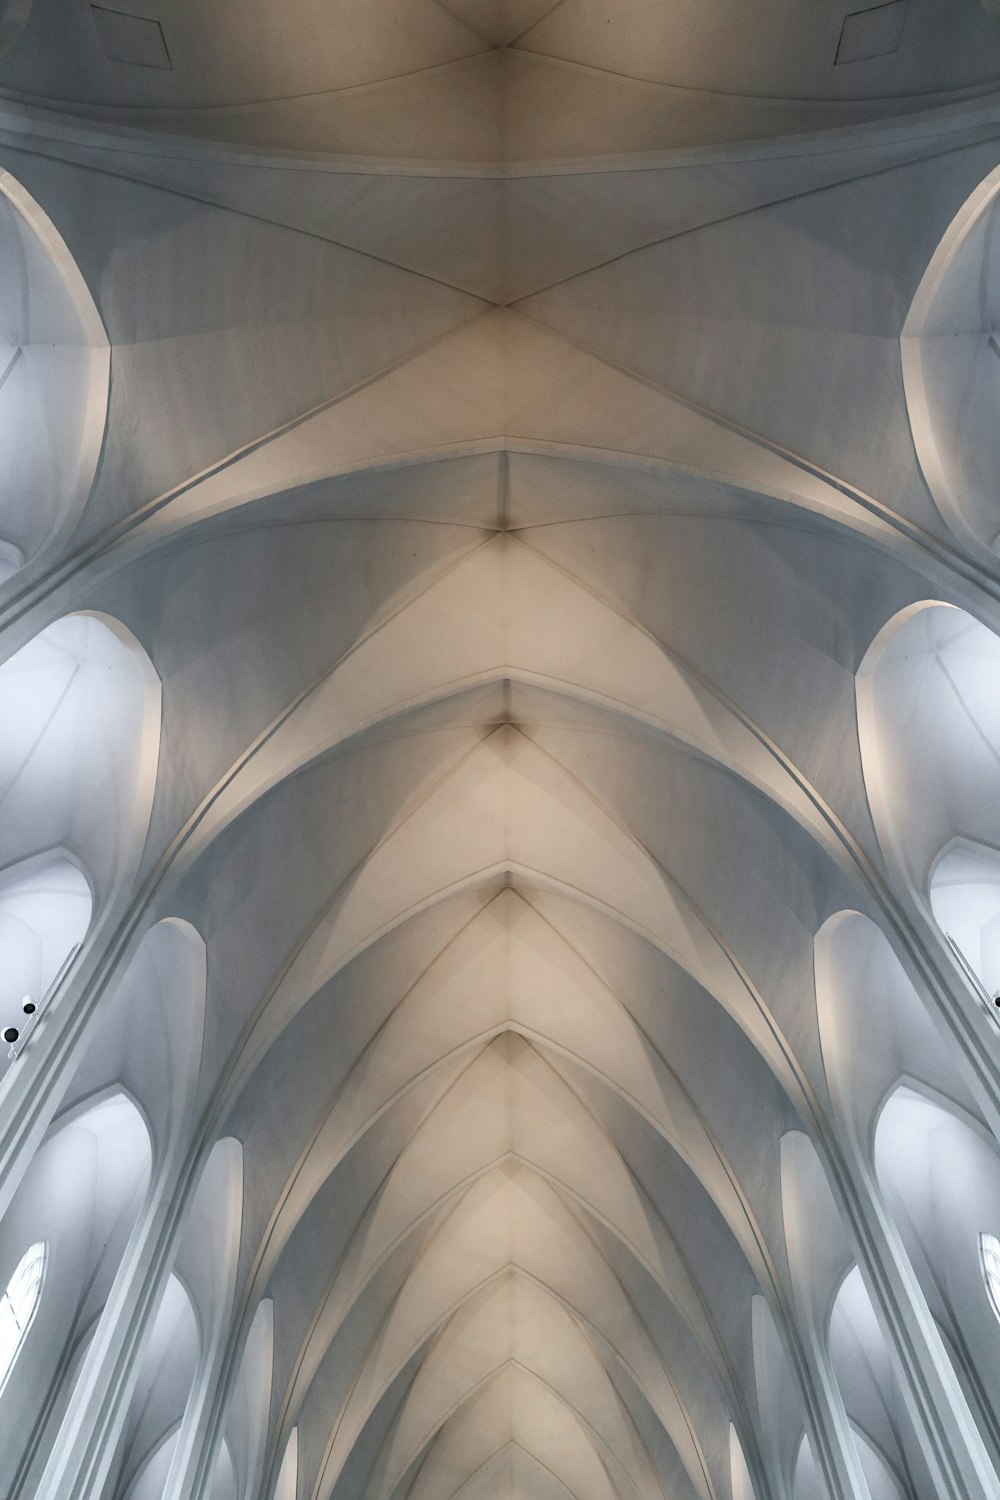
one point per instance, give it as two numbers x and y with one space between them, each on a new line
18 1306
989 1254
973 978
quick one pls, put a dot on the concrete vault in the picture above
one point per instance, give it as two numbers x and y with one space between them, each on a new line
499 750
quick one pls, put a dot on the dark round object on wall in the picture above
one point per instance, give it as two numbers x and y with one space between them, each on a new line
29 1009
11 1034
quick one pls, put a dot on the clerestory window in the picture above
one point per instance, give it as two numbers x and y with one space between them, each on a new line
989 1254
18 1306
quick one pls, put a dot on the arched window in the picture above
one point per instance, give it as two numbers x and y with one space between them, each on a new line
989 1254
18 1306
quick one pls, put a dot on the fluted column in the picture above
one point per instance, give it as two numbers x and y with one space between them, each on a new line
952 1446
220 1197
87 1445
33 1088
191 1472
835 1450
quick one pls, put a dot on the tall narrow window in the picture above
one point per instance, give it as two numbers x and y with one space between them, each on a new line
18 1306
989 1254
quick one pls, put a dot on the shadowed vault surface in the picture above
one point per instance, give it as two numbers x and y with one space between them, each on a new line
499 750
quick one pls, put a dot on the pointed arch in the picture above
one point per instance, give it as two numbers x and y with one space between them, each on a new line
79 746
940 1170
865 1374
928 691
286 1486
951 372
149 1036
81 1197
55 365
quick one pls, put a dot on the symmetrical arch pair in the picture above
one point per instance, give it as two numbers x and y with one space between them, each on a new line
468 1028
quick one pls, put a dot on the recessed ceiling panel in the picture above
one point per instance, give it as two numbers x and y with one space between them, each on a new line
872 33
135 40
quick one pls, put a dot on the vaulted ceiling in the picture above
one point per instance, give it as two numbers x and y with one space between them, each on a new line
488 80
491 422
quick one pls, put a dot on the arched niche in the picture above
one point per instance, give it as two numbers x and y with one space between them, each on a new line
151 1480
965 900
866 1379
246 1421
209 1243
780 1410
817 1245
881 1480
166 1374
873 1027
929 722
951 369
55 365
147 1034
820 1260
807 1480
940 1172
224 1484
145 1049
205 1264
45 910
79 738
739 1475
287 1484
80 1197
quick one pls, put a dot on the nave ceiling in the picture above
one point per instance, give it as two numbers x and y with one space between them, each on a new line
499 613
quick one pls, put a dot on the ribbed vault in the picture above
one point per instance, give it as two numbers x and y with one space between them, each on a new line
510 651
